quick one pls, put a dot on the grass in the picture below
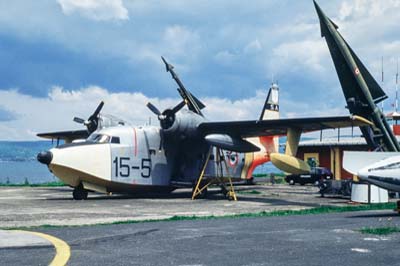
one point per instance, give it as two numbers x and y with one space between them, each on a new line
312 211
26 184
380 230
254 192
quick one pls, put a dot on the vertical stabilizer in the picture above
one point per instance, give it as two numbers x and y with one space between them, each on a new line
267 144
271 106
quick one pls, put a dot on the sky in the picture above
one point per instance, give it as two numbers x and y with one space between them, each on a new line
59 59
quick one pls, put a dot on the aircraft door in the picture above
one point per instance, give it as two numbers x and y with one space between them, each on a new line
130 163
161 168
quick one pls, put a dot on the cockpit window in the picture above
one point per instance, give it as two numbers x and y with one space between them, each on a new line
115 140
99 138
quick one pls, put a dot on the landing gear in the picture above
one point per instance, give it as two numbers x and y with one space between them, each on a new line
79 193
201 193
201 185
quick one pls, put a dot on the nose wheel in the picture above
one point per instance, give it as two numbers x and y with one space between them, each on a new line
80 193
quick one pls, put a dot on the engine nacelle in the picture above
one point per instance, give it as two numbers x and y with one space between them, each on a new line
184 125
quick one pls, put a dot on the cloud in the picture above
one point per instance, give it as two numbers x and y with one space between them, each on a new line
95 9
56 111
181 41
297 56
6 115
226 50
225 57
253 47
366 8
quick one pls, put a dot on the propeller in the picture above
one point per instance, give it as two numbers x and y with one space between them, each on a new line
93 121
167 117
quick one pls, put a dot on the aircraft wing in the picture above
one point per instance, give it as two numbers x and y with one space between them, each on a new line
274 127
68 136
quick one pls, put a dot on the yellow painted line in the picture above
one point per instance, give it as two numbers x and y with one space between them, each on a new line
63 251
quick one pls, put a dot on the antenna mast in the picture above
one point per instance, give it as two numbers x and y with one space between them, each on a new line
383 82
396 104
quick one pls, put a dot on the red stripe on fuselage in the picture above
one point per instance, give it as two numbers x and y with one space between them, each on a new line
135 141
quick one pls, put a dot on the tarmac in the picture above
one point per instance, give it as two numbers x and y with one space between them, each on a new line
37 206
24 207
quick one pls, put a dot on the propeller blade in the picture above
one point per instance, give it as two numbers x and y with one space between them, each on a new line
153 109
97 111
178 107
79 120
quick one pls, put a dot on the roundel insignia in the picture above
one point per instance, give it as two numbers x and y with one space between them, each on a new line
357 71
233 158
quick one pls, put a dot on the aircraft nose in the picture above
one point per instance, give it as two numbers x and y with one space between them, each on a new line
45 157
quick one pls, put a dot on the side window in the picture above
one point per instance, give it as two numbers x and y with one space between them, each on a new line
115 140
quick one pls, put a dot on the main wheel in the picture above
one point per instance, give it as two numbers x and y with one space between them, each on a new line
79 193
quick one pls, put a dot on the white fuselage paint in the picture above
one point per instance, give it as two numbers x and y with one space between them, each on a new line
379 168
137 160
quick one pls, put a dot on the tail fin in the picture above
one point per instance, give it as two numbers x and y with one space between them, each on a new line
271 106
271 111
267 144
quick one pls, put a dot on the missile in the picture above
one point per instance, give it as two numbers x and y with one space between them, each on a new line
360 89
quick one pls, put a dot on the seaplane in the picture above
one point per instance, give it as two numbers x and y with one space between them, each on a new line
185 150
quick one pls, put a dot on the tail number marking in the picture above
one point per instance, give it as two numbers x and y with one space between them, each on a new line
123 167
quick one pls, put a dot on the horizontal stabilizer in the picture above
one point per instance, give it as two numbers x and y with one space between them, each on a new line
67 136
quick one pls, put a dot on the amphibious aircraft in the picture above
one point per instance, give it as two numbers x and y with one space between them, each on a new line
184 150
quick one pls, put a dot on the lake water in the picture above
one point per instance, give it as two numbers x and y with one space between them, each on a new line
18 163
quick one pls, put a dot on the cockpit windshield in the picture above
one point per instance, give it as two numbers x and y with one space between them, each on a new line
99 138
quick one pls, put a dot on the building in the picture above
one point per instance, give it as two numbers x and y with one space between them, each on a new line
328 152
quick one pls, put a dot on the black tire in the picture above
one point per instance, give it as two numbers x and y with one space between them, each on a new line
291 182
250 181
80 193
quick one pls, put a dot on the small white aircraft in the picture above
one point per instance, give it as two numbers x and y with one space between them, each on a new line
379 168
184 149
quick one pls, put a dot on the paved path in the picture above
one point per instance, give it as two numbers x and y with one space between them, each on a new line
328 239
